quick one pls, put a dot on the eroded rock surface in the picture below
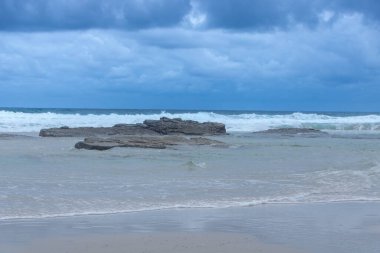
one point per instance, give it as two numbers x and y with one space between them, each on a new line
291 131
120 129
164 126
156 142
13 136
188 127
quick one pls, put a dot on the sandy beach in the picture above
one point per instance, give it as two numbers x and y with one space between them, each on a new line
308 228
154 243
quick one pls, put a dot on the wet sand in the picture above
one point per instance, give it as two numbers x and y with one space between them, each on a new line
309 228
152 242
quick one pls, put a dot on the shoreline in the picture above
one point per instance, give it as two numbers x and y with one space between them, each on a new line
298 227
100 214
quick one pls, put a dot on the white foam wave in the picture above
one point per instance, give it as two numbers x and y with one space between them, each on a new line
248 122
297 199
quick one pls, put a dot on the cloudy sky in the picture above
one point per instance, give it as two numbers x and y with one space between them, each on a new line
191 54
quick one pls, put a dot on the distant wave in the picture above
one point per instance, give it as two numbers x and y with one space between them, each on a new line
13 121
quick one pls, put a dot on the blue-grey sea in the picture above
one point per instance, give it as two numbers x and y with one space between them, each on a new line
47 177
33 119
318 192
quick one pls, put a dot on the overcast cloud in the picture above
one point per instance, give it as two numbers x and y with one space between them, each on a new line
240 54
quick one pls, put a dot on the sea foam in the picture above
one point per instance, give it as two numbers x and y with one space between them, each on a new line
11 121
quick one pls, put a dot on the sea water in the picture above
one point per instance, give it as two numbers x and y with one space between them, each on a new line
26 120
48 177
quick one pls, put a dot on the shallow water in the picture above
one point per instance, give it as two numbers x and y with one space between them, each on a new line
43 177
310 228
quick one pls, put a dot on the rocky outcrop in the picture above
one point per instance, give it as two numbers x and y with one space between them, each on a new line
188 127
164 126
120 129
13 136
156 142
291 131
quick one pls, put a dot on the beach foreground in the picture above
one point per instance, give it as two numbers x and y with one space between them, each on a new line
154 243
309 228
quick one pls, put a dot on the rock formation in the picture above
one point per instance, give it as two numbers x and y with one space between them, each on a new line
156 142
120 129
291 131
188 127
157 134
164 126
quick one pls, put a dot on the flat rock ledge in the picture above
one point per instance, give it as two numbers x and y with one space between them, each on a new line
13 136
163 126
155 142
291 131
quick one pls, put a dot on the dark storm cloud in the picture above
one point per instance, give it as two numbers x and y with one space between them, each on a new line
139 14
251 53
85 14
369 8
258 13
269 14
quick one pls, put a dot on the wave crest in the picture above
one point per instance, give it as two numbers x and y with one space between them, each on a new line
11 121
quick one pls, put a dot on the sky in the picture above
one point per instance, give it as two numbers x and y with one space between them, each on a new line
291 55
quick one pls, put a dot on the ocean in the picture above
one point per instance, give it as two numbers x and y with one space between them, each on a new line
48 177
33 119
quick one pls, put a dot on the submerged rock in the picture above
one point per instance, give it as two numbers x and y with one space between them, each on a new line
291 131
13 136
108 143
164 126
205 141
156 142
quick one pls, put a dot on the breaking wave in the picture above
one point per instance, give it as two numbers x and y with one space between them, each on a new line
17 121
